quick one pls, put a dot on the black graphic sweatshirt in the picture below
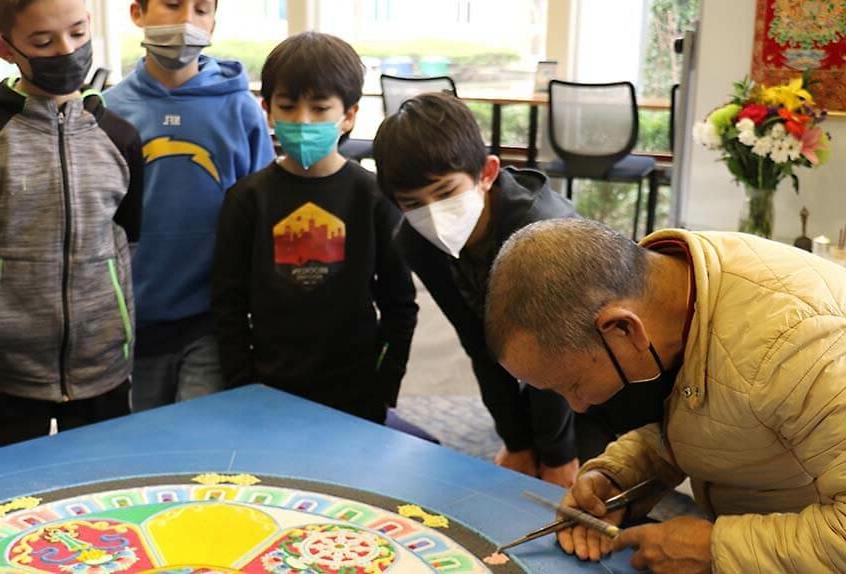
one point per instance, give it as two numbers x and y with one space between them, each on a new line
309 292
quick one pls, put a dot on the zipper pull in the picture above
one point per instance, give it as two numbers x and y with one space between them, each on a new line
61 117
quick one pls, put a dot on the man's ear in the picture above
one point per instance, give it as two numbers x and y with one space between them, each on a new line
617 321
490 171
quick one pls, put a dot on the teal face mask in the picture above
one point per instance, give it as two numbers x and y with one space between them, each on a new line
308 143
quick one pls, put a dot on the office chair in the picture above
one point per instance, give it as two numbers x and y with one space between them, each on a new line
395 90
592 129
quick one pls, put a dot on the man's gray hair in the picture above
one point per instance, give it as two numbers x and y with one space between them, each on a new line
552 277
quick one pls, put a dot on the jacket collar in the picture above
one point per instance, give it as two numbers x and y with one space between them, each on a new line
79 114
11 99
706 272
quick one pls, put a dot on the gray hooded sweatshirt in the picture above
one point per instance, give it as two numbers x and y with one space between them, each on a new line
70 201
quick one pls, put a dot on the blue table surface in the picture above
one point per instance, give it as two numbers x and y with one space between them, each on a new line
260 430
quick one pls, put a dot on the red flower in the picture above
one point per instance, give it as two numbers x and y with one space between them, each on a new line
755 112
794 123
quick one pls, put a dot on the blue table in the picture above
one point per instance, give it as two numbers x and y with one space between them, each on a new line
255 429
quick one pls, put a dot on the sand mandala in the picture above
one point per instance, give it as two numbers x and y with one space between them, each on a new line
214 523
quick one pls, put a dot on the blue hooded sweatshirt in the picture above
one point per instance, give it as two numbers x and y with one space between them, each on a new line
198 140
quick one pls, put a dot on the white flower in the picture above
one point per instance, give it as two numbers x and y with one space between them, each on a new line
777 131
779 152
705 133
747 137
794 147
745 125
763 146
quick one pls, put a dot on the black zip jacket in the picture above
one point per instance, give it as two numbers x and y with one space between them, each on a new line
525 417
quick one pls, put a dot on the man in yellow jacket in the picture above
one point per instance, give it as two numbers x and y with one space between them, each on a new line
718 356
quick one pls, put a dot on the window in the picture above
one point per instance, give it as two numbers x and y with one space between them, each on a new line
484 45
8 70
464 39
631 40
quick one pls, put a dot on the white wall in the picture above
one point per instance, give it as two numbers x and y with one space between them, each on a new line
712 199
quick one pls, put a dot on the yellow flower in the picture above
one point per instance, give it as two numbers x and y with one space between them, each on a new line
791 95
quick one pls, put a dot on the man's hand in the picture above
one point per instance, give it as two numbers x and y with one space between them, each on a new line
564 475
588 494
681 545
524 461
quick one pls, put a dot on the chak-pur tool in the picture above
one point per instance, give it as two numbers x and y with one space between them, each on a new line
571 516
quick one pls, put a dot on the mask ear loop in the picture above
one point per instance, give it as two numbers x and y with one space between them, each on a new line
614 360
657 358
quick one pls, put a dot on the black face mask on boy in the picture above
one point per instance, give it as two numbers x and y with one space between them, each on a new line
59 75
637 403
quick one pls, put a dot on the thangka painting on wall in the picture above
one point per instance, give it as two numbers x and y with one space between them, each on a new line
792 36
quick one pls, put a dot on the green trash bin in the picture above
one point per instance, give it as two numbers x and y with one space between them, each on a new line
433 66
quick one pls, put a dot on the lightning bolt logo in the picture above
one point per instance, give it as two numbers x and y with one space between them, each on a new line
166 147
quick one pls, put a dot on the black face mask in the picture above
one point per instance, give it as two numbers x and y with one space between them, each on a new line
636 404
59 75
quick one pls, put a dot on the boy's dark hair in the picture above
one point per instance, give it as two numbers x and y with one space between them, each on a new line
144 3
9 9
314 64
431 135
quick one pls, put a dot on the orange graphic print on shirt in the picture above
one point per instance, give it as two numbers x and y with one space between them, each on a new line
309 234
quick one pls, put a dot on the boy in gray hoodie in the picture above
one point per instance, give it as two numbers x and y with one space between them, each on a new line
70 203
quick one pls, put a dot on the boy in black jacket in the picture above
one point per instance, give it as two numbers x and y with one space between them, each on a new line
460 207
305 248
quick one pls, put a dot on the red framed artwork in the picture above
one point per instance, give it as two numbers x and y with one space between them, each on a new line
794 35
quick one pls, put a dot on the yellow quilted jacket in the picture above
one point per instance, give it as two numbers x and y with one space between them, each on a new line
757 417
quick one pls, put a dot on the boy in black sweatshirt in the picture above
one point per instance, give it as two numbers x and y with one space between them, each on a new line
305 253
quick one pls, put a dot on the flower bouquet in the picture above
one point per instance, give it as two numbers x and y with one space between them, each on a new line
762 134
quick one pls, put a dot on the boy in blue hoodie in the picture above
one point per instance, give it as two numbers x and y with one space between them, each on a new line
305 252
201 130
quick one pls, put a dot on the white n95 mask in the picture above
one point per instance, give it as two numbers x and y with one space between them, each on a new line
175 46
447 224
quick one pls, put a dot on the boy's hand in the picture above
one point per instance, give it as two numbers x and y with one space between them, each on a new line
564 475
524 461
588 494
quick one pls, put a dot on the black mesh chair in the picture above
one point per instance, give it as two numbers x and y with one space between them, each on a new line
395 90
592 129
356 149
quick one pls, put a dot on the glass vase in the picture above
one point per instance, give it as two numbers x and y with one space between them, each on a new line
757 215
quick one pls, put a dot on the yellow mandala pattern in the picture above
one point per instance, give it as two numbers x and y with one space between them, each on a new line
213 478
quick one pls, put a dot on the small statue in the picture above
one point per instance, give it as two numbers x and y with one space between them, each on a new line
804 242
